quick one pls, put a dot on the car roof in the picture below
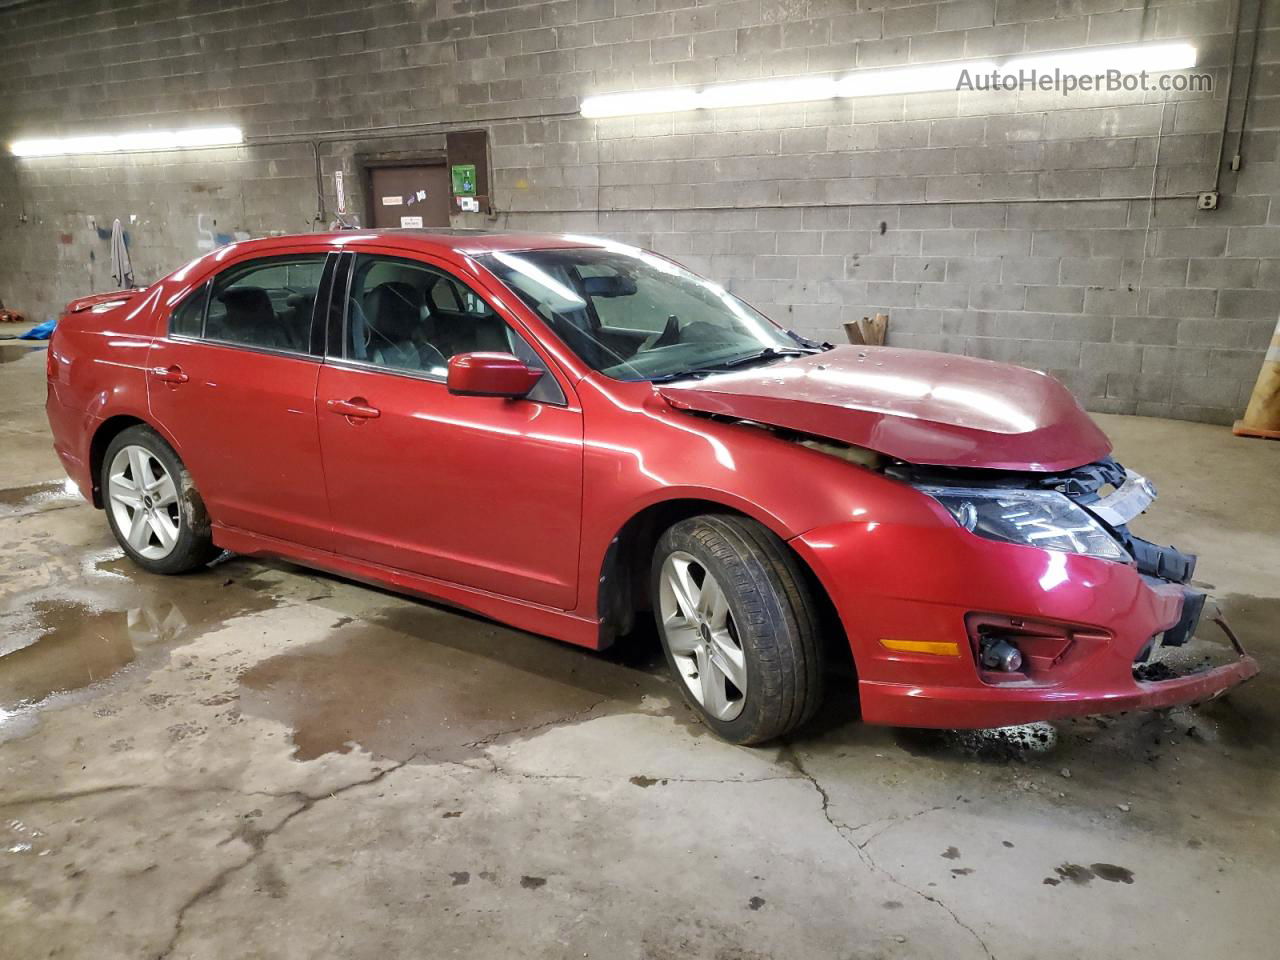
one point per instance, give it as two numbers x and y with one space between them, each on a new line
442 240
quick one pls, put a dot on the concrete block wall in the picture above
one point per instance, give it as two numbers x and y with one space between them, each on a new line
1056 232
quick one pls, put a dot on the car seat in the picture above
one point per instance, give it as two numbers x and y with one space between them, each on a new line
394 314
251 319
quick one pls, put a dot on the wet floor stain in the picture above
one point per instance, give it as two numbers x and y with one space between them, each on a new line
1111 873
72 645
533 883
79 647
1081 876
1074 872
414 682
35 496
10 351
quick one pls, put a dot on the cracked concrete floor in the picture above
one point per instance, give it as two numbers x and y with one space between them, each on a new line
259 761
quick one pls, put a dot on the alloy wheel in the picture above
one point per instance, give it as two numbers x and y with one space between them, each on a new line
143 498
701 636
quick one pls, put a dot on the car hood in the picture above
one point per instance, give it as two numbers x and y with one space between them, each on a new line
914 405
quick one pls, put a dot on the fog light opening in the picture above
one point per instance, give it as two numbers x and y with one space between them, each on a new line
999 654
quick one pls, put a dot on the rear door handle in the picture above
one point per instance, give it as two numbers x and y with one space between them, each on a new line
172 374
355 407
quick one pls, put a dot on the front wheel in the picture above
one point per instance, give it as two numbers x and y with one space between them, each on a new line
152 506
739 626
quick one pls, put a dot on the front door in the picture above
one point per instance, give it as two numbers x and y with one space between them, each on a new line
416 196
479 491
234 384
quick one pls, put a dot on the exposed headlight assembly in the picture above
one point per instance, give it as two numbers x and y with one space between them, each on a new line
1034 518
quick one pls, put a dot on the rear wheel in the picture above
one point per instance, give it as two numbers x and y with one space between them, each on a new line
738 625
152 506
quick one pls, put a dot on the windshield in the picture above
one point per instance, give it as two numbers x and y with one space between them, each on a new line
635 316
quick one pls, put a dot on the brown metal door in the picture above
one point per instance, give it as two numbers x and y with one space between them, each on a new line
411 196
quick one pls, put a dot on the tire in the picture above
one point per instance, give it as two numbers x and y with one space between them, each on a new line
169 524
769 635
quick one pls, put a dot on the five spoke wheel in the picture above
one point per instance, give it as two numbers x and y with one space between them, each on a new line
143 500
701 636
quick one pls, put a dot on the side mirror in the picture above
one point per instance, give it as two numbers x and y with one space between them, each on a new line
490 375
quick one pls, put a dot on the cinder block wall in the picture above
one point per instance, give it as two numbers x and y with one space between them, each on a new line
1060 233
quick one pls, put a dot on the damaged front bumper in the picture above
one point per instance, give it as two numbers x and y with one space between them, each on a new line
925 609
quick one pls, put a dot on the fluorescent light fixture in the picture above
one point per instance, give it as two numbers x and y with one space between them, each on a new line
674 100
879 83
765 92
128 142
1152 57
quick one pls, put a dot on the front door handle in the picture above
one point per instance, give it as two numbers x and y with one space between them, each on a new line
355 407
172 374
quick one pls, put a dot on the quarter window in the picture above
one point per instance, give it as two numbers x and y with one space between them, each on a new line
188 319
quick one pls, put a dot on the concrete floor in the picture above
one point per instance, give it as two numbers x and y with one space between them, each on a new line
259 761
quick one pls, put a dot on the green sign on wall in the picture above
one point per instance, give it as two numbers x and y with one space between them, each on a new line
464 179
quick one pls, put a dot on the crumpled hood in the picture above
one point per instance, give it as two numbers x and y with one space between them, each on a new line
914 405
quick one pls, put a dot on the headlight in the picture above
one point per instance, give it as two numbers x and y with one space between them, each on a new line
1035 518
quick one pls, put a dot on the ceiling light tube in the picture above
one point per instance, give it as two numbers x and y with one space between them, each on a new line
930 78
1152 57
128 142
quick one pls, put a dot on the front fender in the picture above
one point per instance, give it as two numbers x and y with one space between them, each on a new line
640 453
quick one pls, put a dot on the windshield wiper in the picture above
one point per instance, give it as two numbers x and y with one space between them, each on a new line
767 355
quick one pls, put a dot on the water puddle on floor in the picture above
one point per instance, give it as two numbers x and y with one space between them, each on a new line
53 648
11 350
37 496
415 681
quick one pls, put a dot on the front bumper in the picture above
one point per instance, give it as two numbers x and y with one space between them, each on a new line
920 583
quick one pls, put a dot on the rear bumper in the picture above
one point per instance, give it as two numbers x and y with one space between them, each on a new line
923 584
68 425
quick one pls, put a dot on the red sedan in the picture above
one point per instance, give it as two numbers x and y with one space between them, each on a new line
564 433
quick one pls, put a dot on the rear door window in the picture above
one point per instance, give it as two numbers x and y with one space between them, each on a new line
266 303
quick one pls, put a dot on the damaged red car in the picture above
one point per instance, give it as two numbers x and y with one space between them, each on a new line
566 434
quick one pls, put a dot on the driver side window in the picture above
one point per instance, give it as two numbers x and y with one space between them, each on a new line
410 317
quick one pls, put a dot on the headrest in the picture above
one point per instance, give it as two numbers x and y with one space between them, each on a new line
394 308
247 303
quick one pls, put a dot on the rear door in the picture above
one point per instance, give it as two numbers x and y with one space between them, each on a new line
479 491
233 382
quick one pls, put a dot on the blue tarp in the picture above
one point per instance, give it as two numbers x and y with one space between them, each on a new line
41 332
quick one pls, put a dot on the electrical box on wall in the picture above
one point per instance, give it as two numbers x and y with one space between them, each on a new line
467 153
